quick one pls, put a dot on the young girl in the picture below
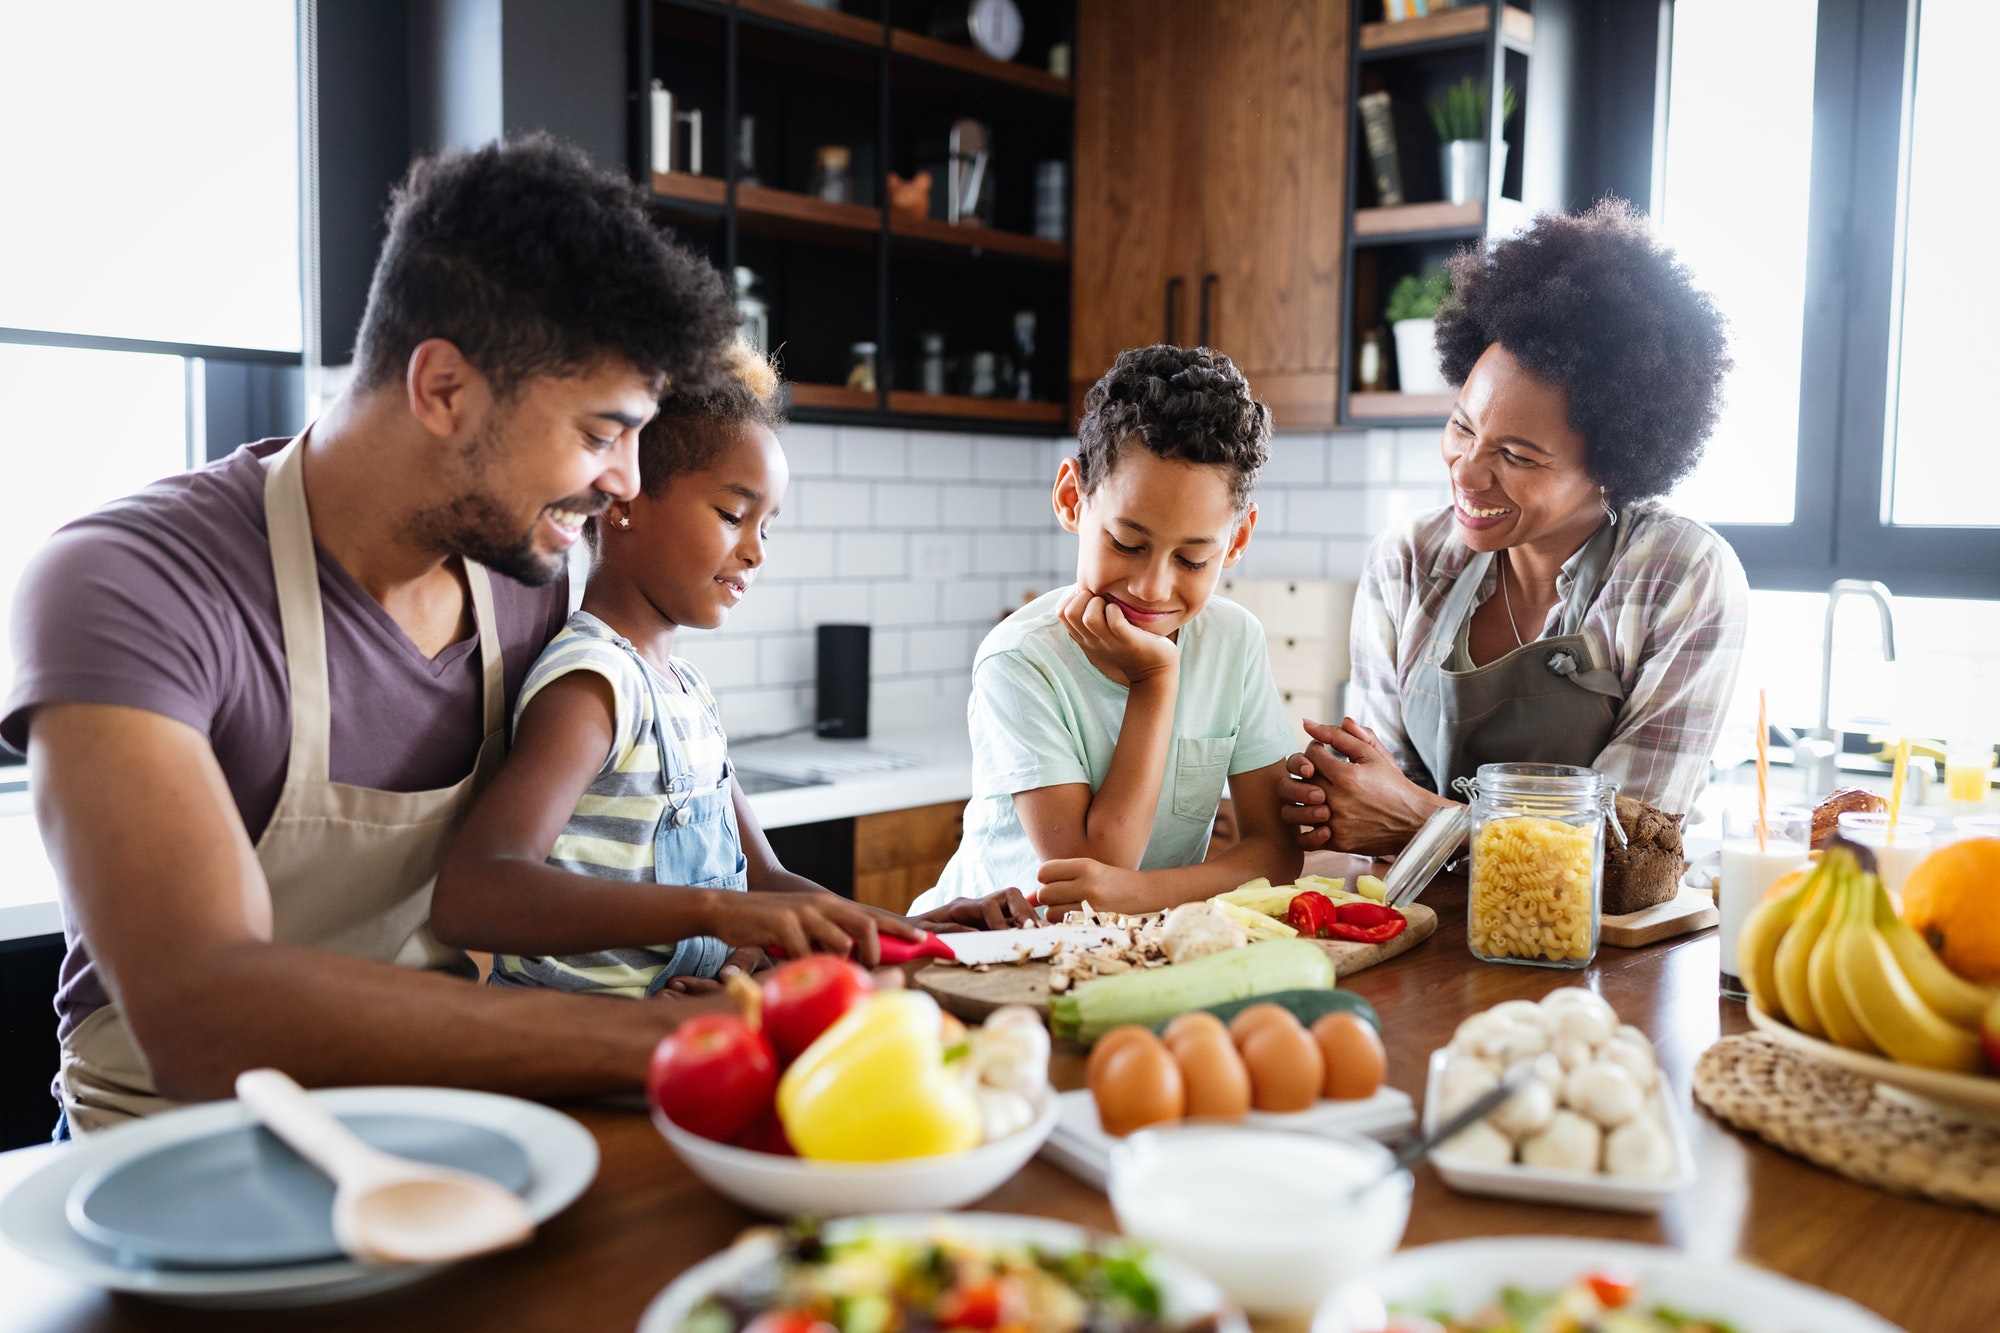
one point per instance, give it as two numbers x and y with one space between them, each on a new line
612 851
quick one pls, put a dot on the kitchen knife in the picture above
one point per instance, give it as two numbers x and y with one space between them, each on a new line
973 947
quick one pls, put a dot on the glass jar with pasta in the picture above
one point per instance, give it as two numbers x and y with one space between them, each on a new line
1537 862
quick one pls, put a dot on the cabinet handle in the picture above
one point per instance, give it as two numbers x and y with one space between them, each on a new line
1208 281
1174 286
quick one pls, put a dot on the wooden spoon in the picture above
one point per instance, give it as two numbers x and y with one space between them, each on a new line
387 1209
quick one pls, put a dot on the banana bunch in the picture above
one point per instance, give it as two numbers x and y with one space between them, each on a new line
1832 958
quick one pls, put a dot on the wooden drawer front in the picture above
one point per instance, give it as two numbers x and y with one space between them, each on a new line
1302 664
1247 593
1305 705
904 839
1302 608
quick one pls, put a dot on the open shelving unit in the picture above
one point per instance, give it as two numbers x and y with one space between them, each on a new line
1414 60
868 76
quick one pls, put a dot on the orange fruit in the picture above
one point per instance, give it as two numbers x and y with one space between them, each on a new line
1785 883
1952 899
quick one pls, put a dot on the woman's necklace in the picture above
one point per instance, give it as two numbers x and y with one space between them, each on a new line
1507 598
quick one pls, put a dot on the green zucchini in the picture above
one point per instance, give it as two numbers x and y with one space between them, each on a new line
1308 1006
1089 1010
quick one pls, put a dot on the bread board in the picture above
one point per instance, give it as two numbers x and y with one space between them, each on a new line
971 995
1683 914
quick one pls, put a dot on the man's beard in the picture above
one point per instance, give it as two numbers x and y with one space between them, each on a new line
475 525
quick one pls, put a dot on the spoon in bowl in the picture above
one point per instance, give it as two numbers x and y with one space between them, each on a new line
387 1209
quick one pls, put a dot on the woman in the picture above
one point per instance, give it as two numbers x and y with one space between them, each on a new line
1555 612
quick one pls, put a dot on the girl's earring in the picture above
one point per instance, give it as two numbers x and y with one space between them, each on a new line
624 522
1610 514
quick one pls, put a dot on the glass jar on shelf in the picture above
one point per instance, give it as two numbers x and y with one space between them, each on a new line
751 310
832 179
1537 862
861 359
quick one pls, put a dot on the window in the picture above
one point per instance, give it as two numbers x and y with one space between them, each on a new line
1824 174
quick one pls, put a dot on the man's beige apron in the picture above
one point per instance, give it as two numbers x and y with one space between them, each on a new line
349 868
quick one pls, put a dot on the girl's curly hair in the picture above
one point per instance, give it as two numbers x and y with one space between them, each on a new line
1185 403
694 427
1593 304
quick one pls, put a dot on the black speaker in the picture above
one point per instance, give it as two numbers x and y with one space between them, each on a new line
840 708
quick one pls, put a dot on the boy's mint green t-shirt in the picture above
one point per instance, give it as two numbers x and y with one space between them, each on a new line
1041 716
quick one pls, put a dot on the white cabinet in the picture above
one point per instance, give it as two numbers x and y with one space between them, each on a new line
1305 628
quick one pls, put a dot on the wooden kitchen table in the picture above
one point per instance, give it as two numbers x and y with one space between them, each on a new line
1930 1268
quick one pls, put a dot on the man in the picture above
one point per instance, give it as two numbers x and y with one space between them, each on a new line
257 698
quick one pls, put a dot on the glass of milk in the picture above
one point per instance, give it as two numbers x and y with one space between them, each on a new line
1749 871
1277 1218
1895 855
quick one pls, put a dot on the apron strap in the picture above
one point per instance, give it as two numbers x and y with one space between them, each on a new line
295 567
492 666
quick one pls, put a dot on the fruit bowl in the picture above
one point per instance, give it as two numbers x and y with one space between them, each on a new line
783 1186
1964 1097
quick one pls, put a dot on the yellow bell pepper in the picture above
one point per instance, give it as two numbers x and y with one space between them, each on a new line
875 1087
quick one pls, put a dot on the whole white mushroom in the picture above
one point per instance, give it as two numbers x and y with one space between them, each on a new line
1514 1041
1547 1068
1570 1052
1466 1037
1634 1059
1591 1025
1480 1142
1632 1033
1466 1079
1569 1143
1604 1092
1639 1149
1521 1011
1527 1112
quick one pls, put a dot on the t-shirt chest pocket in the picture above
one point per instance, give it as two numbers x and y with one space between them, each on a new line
1201 766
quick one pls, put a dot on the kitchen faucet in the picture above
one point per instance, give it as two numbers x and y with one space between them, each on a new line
1822 745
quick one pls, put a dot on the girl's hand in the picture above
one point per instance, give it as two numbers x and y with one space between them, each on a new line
1101 630
803 923
1374 809
1079 879
996 911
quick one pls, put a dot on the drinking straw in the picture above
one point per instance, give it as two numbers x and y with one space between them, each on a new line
1902 771
1763 768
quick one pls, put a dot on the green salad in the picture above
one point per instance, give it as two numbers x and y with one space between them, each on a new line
1597 1303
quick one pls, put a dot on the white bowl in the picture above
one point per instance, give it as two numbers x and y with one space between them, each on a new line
1186 1295
1461 1276
785 1186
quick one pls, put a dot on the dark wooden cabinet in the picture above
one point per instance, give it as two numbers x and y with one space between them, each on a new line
899 854
1211 163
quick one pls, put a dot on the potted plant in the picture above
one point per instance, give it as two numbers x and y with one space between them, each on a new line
1412 314
1460 118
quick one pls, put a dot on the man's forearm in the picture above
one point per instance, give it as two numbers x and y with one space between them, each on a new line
1273 855
1119 822
327 1019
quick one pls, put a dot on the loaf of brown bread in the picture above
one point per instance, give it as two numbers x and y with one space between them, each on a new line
1843 801
1647 870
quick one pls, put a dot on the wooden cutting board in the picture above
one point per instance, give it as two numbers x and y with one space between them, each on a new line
1685 913
972 995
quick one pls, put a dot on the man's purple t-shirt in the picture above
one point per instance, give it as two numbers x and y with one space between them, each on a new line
165 601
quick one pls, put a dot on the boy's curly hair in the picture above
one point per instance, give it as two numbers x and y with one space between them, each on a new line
1184 403
1596 306
533 262
694 426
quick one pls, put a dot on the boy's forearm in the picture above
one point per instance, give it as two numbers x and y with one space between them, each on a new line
1119 821
1274 856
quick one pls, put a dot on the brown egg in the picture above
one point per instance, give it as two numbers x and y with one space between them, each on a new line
1218 1084
1193 1023
1255 1017
1355 1060
1139 1085
1107 1046
1286 1068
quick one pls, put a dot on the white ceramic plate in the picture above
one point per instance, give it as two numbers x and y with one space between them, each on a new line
1187 1294
562 1157
1080 1146
1588 1189
787 1186
1464 1275
1972 1097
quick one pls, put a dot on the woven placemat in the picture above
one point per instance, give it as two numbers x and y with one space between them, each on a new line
1835 1118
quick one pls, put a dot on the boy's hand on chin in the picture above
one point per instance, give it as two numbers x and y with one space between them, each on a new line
1101 630
1077 880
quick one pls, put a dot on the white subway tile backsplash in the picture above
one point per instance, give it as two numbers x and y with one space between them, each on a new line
940 555
860 452
747 713
872 554
1346 559
1005 552
1419 457
809 450
886 652
939 649
792 554
940 457
785 659
1271 507
901 505
1283 558
981 601
905 602
1005 458
728 663
1296 460
1030 507
840 603
770 606
822 503
1365 458
974 505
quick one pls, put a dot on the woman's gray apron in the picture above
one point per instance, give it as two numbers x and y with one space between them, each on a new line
1547 702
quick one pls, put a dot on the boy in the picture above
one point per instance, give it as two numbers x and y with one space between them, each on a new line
1106 715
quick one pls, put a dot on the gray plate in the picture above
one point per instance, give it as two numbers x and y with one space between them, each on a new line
240 1198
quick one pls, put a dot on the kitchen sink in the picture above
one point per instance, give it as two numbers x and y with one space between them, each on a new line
753 783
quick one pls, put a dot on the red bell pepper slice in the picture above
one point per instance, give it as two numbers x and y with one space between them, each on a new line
1311 914
1366 923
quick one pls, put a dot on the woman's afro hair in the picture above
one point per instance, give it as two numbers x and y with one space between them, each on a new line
1596 306
694 426
1183 403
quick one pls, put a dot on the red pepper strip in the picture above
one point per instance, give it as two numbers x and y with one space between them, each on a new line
1611 1292
1311 914
1366 923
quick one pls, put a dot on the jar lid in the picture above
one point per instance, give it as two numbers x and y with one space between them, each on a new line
1537 780
1418 864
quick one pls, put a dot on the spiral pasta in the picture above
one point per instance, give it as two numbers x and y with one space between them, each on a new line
1533 889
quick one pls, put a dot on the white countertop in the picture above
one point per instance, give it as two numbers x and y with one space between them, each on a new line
898 770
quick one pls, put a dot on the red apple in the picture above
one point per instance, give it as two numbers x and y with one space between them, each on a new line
713 1076
805 998
1989 1036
